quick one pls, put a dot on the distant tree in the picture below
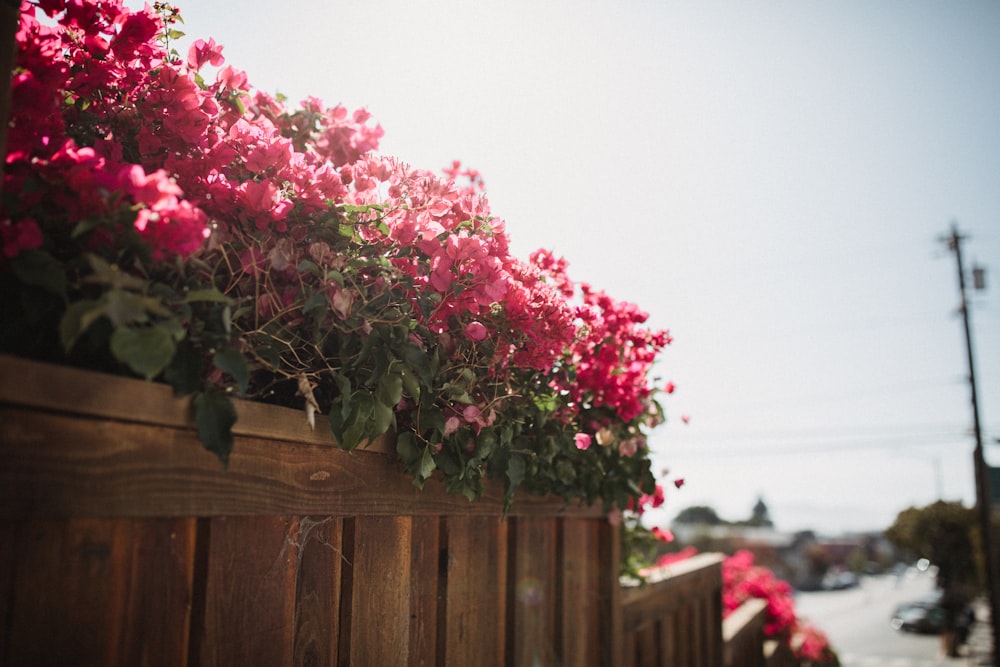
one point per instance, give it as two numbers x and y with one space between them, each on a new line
760 516
946 534
699 515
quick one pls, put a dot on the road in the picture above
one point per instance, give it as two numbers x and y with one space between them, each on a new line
857 623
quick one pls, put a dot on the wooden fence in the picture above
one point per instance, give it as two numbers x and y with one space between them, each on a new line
745 643
124 542
676 619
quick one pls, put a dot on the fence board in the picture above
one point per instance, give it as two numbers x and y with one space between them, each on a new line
69 592
580 592
475 630
427 593
380 605
120 447
534 592
249 617
159 600
317 595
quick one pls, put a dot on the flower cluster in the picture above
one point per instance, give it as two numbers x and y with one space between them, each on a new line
163 217
743 580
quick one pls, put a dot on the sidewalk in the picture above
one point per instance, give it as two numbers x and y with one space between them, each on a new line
979 647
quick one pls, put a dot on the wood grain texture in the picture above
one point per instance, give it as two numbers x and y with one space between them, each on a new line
580 591
158 614
427 592
76 443
249 616
476 593
380 602
536 635
318 590
70 590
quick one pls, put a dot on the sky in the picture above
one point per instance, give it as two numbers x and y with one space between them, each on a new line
770 181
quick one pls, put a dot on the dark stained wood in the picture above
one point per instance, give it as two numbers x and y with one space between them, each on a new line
380 607
123 542
69 593
317 595
699 575
685 601
81 392
250 591
743 634
160 592
580 590
668 640
427 593
123 461
476 591
612 607
533 584
8 556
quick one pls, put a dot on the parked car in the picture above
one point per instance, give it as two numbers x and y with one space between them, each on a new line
919 617
927 616
841 580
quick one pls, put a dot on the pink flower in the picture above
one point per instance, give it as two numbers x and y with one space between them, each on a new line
475 331
202 52
663 534
582 441
451 425
679 482
21 235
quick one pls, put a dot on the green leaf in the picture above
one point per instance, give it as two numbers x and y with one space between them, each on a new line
407 449
212 295
39 268
427 464
316 302
214 416
232 361
106 274
515 470
390 389
309 266
76 319
147 351
351 429
486 443
125 308
410 383
84 226
383 418
185 369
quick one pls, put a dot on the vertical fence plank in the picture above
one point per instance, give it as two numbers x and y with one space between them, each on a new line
580 578
668 640
476 591
159 605
533 584
612 608
425 562
69 592
8 555
249 615
317 598
380 605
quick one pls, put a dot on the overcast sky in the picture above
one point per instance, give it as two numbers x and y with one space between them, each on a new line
768 180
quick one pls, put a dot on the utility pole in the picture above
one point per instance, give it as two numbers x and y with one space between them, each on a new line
984 500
